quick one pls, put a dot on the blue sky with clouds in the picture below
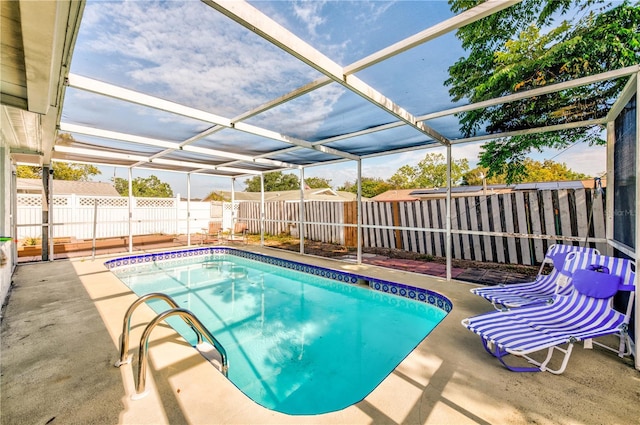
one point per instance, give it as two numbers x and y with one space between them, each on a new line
186 52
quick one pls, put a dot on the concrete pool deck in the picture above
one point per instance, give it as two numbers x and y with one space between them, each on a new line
60 339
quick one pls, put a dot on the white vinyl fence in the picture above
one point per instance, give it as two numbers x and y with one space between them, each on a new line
77 216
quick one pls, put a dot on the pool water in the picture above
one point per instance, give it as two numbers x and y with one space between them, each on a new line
297 343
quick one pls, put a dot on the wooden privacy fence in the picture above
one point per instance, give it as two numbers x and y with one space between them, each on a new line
547 216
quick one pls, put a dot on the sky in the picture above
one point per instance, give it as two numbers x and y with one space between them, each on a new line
194 56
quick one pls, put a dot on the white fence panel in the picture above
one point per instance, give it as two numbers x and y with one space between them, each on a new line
74 216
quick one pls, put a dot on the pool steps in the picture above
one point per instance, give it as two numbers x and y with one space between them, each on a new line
191 320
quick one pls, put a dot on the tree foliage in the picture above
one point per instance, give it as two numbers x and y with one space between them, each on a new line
371 186
317 182
61 171
273 182
430 172
507 52
216 196
534 171
149 187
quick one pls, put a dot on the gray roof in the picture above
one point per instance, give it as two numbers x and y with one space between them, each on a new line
68 187
322 194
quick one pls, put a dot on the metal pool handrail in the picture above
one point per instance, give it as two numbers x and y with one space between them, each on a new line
190 318
126 323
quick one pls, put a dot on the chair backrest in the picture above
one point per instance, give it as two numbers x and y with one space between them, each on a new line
239 227
557 253
214 227
622 267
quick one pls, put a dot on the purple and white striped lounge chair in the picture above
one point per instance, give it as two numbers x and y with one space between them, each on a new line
542 290
585 313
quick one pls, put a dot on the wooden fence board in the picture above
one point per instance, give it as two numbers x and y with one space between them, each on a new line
472 206
484 226
523 227
510 228
582 213
497 227
536 225
464 225
455 242
439 221
565 213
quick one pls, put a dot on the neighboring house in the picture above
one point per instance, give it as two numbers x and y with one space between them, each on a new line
67 187
323 194
493 189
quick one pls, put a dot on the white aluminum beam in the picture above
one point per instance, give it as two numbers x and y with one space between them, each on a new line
535 130
623 72
105 89
307 88
98 153
552 88
627 93
474 14
114 135
110 90
248 128
255 21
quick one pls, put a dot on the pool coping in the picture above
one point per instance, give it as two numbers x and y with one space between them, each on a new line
393 288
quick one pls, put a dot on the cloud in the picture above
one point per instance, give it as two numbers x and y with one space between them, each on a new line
190 53
308 13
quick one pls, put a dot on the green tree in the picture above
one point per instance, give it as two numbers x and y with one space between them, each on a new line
317 182
274 181
430 172
61 171
216 196
28 172
149 187
507 53
371 186
534 171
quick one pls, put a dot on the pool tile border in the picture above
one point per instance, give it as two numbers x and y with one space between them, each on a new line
393 288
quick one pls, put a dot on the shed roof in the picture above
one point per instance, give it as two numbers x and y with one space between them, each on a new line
68 187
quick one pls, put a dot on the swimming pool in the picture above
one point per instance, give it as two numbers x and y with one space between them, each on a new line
300 339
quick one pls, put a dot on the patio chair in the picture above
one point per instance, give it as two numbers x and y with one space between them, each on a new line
212 233
239 233
583 314
542 290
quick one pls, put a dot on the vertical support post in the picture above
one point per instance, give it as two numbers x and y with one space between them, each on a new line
95 225
637 215
262 209
188 209
233 203
611 140
130 212
301 220
359 213
448 213
45 212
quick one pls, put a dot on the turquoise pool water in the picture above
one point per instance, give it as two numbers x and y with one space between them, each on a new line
298 341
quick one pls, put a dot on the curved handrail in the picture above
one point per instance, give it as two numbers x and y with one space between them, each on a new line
126 324
144 344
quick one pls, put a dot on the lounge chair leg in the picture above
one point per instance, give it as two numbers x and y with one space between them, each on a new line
563 366
499 353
